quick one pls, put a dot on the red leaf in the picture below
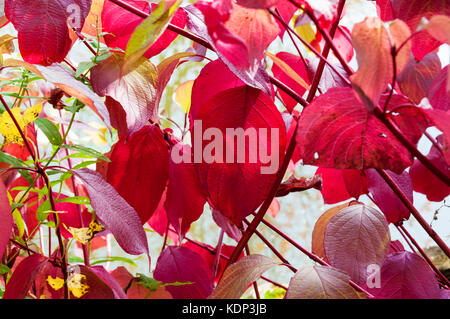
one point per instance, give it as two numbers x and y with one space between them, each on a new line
120 23
185 199
252 112
343 134
180 264
395 246
134 89
375 60
298 66
23 276
412 11
65 80
405 275
418 76
6 220
385 198
70 216
259 31
98 288
256 77
329 77
110 281
139 169
340 185
426 182
158 222
207 253
231 230
439 92
43 27
440 119
114 212
356 237
208 84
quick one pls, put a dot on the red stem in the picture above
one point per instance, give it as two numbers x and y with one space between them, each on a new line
414 211
326 50
424 255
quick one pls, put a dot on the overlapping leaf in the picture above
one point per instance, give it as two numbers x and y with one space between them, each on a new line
43 27
238 276
320 282
356 237
139 169
120 24
115 213
338 131
238 166
133 86
189 269
405 275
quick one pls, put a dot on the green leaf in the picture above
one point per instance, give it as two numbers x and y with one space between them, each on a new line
19 222
81 200
5 270
114 258
16 162
50 130
86 150
45 206
148 31
84 164
83 67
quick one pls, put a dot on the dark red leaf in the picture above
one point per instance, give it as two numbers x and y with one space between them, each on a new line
110 281
185 198
120 23
395 246
6 220
426 182
139 169
231 230
385 198
338 131
97 287
208 84
42 27
249 111
24 276
114 212
298 66
412 11
418 76
439 93
405 275
180 264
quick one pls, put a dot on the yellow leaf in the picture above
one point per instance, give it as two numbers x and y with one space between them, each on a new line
306 31
288 70
56 283
32 113
183 95
77 285
8 129
95 227
6 44
82 235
